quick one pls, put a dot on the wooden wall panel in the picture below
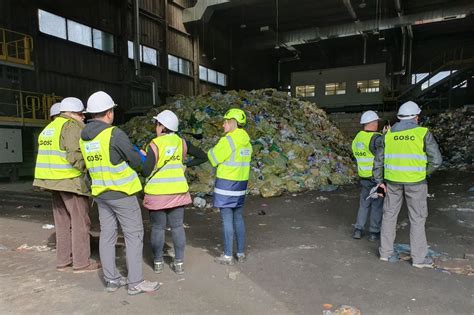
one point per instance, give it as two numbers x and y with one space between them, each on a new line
180 84
153 6
180 44
175 17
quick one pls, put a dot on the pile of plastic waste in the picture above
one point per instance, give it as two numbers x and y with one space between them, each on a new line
295 146
454 133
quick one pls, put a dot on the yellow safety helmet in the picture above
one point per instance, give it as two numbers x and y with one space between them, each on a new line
237 114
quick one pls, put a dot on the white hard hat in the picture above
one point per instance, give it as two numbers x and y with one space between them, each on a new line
71 104
54 110
168 119
408 110
99 102
368 116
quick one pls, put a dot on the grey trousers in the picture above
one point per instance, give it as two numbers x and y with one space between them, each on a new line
127 212
415 196
372 205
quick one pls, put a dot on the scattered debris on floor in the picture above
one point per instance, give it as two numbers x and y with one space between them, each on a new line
199 202
441 261
340 310
403 224
455 126
233 275
3 247
293 153
47 227
38 248
459 266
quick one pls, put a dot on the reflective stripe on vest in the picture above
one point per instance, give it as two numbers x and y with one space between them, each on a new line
51 162
237 167
404 157
362 153
106 176
168 175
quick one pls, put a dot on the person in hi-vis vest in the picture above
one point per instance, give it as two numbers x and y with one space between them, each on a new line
60 168
232 156
111 161
364 150
407 154
166 188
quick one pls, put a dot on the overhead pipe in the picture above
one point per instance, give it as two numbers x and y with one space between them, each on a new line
315 34
136 54
364 61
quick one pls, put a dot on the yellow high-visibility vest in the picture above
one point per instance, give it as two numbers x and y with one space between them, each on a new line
362 153
404 156
168 175
106 176
51 162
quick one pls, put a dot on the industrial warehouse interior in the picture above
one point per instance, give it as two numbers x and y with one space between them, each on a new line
237 157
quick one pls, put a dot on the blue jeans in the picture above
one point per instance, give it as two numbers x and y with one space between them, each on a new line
232 219
175 218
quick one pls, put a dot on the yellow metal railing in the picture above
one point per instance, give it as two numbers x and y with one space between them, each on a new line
15 47
25 107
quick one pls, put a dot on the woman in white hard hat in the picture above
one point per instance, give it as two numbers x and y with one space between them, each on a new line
166 188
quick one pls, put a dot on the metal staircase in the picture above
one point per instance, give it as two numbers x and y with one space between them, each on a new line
444 73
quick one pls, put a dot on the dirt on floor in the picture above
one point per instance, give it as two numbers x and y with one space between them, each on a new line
301 256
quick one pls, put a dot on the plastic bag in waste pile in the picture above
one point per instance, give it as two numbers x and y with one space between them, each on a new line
454 133
295 146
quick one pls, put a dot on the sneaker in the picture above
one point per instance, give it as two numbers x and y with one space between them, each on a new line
224 260
392 259
357 234
144 286
426 263
93 266
64 267
373 237
241 257
158 266
178 267
113 286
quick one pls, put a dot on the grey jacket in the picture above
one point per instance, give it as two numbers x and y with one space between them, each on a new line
121 149
430 146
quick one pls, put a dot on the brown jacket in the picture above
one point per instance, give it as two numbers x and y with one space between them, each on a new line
69 141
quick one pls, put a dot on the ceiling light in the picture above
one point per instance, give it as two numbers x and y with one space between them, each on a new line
362 4
243 25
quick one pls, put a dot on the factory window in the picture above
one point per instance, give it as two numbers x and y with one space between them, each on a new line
221 79
417 77
338 88
305 91
147 54
212 76
436 78
184 66
79 33
103 41
52 24
203 73
179 65
57 26
368 86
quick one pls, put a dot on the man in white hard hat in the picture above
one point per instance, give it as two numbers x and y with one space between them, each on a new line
364 150
407 154
111 161
54 110
60 168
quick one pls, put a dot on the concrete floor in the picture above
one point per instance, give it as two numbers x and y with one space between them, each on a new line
300 257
